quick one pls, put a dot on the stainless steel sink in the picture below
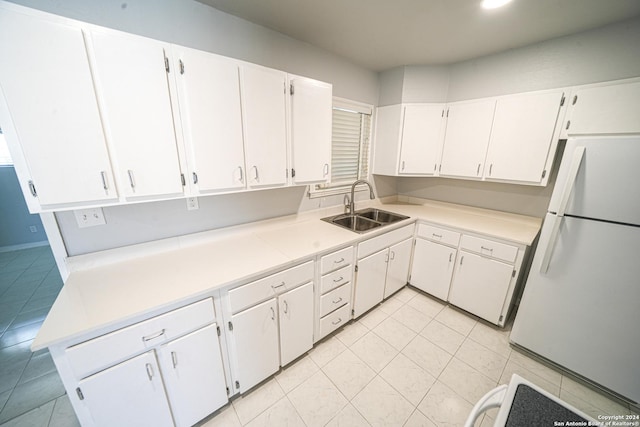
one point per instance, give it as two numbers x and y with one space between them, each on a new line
380 216
365 220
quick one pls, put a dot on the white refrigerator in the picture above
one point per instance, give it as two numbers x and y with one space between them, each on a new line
581 303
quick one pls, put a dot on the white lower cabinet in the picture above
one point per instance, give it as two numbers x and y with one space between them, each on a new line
194 375
165 371
432 268
255 338
333 299
382 268
130 393
264 335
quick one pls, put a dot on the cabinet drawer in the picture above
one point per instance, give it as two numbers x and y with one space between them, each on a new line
91 356
489 248
333 321
252 293
439 235
334 299
378 243
336 260
337 278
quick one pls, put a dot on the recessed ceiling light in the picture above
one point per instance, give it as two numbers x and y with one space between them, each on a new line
492 4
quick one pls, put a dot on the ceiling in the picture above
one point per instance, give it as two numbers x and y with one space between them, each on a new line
382 34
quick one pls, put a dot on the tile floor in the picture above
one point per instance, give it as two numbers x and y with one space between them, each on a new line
411 361
31 393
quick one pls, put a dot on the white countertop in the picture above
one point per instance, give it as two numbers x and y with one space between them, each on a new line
110 289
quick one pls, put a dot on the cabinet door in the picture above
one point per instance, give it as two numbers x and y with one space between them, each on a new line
605 110
480 285
523 127
296 322
432 268
466 138
194 376
133 87
311 104
264 115
370 280
421 139
47 85
398 270
209 96
130 393
255 340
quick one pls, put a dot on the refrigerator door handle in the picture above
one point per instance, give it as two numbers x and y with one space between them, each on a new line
576 161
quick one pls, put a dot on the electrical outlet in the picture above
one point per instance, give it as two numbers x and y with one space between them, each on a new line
89 217
192 203
33 229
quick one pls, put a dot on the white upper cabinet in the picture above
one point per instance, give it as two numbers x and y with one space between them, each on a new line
522 136
409 139
50 116
604 109
467 138
264 113
131 75
209 98
311 103
421 139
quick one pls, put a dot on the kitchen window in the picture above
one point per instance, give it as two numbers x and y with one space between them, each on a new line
350 147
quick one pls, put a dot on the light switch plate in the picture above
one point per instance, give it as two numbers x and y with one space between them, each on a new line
192 203
89 217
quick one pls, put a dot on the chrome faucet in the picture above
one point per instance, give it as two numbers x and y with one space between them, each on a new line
352 203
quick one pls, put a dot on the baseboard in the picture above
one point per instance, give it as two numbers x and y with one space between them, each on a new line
23 246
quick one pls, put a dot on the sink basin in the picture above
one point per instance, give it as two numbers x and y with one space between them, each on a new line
365 219
380 216
355 223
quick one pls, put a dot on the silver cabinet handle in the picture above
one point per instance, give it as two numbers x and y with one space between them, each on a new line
339 300
256 176
461 259
403 165
439 236
153 336
325 169
450 255
241 174
195 177
337 321
478 171
339 279
149 371
338 261
132 181
393 255
486 249
274 287
174 359
286 306
490 168
273 313
386 258
103 174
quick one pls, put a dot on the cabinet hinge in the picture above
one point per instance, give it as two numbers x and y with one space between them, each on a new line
409 279
184 182
79 393
356 268
562 101
447 112
442 115
544 173
353 312
230 326
293 173
440 168
32 188
291 90
513 274
501 317
238 385
218 330
575 99
181 67
568 124
228 391
166 64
